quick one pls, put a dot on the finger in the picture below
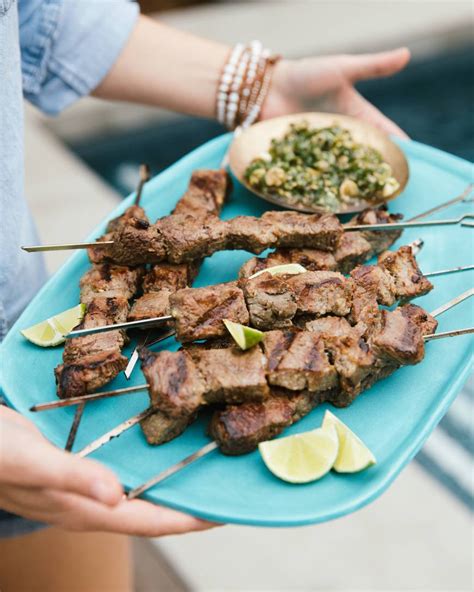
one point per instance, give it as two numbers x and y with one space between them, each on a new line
352 103
74 512
374 65
45 466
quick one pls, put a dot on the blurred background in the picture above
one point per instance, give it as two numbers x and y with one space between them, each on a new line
418 536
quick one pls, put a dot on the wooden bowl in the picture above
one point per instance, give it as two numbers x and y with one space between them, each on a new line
256 140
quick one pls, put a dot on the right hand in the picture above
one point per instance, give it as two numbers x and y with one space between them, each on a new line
41 482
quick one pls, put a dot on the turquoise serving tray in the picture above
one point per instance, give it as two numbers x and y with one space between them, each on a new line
394 417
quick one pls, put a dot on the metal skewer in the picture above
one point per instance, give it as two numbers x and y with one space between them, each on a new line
464 197
75 426
117 431
134 357
158 320
356 228
211 446
144 178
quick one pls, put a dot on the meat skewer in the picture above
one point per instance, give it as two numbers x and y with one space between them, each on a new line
180 238
206 194
266 301
171 427
239 429
133 211
162 428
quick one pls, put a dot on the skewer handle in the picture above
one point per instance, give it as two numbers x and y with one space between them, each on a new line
86 398
447 271
452 303
117 431
171 470
413 224
66 246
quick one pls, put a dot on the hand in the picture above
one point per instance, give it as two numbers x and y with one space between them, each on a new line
329 82
41 482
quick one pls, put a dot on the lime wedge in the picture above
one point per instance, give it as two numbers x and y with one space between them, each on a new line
245 337
52 331
353 455
301 458
287 269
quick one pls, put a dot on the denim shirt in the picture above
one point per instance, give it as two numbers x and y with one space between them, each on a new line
52 52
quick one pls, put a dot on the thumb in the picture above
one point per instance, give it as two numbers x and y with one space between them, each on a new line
374 65
43 465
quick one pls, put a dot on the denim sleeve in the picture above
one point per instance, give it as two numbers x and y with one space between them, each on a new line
68 46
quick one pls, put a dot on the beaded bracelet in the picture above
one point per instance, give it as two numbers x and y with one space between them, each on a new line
244 84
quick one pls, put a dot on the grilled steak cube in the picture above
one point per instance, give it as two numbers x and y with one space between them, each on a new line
206 193
160 428
239 428
321 292
188 238
365 311
101 254
270 302
138 243
89 373
293 229
374 280
353 249
312 259
297 361
353 361
105 311
82 347
330 326
408 280
175 384
250 234
132 212
379 240
107 280
400 338
198 312
231 375
167 276
153 304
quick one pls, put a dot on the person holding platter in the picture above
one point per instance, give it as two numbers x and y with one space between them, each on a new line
53 52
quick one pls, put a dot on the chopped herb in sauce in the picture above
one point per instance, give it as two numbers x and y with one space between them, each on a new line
321 167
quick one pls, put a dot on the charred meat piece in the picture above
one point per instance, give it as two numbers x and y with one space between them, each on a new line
310 259
169 276
239 428
305 230
408 279
353 249
175 384
160 428
102 254
181 382
105 280
150 305
269 300
379 240
93 360
330 326
206 193
231 375
199 312
376 281
137 243
298 361
400 338
321 292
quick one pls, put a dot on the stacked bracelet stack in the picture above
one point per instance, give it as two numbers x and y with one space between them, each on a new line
244 85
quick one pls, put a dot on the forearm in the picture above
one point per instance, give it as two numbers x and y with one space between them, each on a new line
164 67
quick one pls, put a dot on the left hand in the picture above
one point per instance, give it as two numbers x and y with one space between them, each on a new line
329 82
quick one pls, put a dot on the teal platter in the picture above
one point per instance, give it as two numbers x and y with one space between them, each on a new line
394 418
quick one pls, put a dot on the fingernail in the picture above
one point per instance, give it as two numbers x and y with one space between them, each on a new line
102 492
